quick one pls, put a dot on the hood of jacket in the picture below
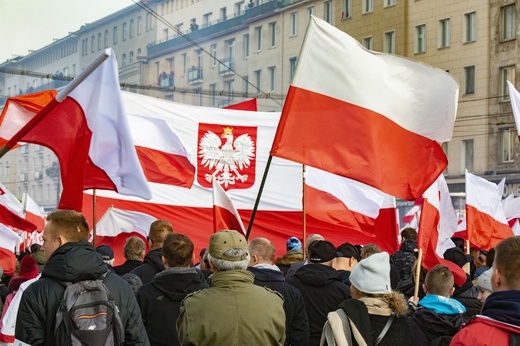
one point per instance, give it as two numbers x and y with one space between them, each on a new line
176 283
75 261
434 324
317 275
267 275
442 305
154 258
409 245
503 306
290 257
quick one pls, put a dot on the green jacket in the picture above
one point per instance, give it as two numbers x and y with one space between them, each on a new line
233 311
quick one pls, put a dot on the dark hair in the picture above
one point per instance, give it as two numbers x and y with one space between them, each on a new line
177 250
409 233
459 242
159 229
369 250
507 261
490 257
35 248
68 223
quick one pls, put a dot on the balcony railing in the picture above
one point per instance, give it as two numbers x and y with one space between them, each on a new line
194 75
227 66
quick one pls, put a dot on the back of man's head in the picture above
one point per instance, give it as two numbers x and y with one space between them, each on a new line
70 224
228 250
134 248
369 250
263 249
177 250
506 264
159 229
409 233
439 280
311 239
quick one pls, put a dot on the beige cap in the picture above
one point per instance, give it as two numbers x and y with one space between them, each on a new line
225 240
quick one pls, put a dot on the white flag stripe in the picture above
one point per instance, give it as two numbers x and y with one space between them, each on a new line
485 197
9 240
116 221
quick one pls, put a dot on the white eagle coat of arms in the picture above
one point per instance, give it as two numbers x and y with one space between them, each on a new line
226 159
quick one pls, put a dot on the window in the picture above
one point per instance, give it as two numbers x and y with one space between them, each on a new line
292 67
239 8
123 63
367 42
467 155
272 34
246 85
114 35
124 31
84 47
346 9
131 57
310 12
368 6
93 44
272 78
213 93
230 88
293 24
206 19
327 11
184 63
420 38
469 80
214 54
165 34
99 41
139 25
223 15
106 38
444 33
149 22
258 33
387 3
231 50
508 24
509 138
470 27
246 46
258 79
389 42
506 74
131 28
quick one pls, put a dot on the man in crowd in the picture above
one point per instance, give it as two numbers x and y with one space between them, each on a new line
500 320
152 265
71 258
295 266
347 260
262 252
438 317
134 252
233 311
404 258
321 286
160 300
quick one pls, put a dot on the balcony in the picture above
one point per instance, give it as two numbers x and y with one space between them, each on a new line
227 66
195 75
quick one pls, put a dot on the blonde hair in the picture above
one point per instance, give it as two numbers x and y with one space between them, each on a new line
395 300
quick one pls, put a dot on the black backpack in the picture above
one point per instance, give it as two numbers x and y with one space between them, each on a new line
88 315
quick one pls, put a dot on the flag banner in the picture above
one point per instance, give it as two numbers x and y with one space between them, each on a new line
225 215
514 98
342 201
437 224
34 213
248 105
8 200
377 119
232 147
486 222
11 211
412 214
94 146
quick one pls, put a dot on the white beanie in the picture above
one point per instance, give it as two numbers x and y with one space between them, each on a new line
372 275
484 280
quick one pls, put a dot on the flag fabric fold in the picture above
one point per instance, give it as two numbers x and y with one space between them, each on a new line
116 221
225 215
378 119
89 133
247 105
514 98
486 222
34 213
11 211
342 201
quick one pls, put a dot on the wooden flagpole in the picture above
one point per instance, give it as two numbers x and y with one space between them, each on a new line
50 106
418 275
255 208
304 213
94 218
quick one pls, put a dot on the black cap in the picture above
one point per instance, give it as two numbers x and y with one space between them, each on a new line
348 250
106 252
322 251
457 256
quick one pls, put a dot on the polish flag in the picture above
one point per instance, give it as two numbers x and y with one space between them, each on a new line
248 105
437 225
342 201
279 214
88 130
514 98
11 211
161 152
516 227
372 117
485 218
9 241
412 214
511 209
225 215
34 213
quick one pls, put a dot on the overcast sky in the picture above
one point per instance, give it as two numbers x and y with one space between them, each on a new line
31 24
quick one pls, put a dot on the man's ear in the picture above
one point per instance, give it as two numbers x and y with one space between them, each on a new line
451 292
425 288
62 240
496 279
163 260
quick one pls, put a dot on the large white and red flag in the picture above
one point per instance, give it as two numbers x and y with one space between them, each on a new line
225 215
514 98
34 213
9 242
231 146
11 211
377 119
486 222
437 225
342 201
88 131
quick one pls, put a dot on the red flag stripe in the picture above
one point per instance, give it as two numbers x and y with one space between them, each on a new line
483 230
180 171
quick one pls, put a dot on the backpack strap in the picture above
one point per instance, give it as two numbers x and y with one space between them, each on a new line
385 329
336 331
357 313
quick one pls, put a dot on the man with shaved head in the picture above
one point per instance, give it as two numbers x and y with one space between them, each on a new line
262 253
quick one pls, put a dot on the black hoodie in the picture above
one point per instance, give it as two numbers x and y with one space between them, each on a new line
322 291
152 265
160 302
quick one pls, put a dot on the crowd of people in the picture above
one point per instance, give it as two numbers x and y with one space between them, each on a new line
240 294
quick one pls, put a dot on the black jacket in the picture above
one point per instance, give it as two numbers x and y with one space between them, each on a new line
296 321
160 302
467 294
404 258
127 267
152 265
322 291
73 261
429 327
